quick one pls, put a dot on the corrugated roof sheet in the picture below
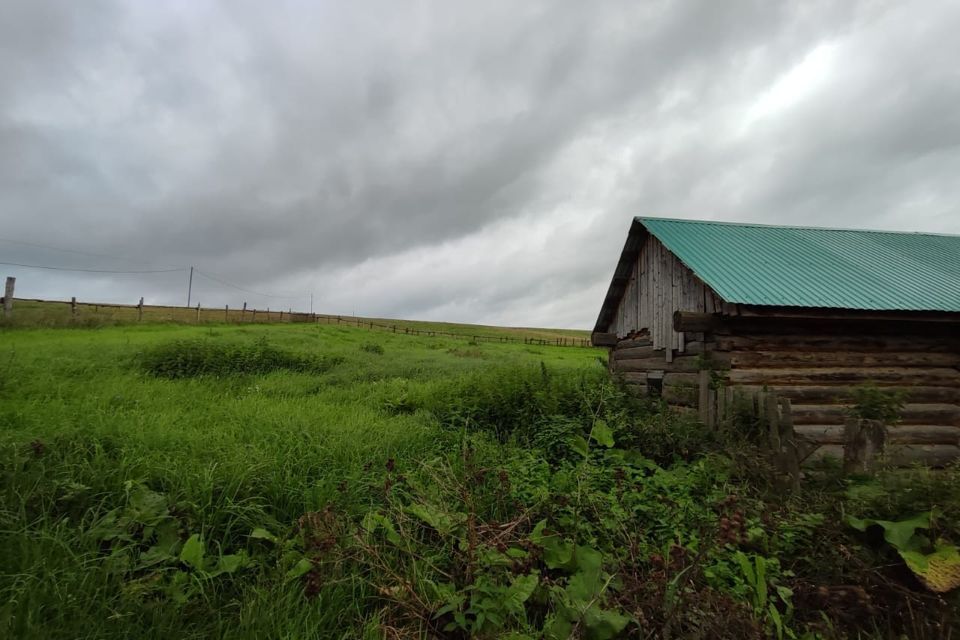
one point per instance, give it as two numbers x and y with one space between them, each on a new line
811 267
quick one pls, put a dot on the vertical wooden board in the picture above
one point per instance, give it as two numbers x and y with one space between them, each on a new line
665 284
717 302
642 289
649 297
661 278
684 289
696 290
674 301
621 316
639 287
656 293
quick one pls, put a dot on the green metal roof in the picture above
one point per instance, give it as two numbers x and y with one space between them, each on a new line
810 267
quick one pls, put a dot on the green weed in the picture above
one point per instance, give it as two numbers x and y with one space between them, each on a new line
206 357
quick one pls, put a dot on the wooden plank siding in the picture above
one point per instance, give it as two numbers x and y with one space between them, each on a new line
660 284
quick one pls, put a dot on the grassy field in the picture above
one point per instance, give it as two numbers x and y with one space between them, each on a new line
323 481
45 313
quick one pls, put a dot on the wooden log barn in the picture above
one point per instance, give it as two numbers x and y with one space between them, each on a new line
698 311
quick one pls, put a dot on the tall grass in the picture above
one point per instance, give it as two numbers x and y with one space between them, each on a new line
237 428
297 482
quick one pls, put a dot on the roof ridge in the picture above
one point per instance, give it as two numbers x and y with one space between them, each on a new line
761 225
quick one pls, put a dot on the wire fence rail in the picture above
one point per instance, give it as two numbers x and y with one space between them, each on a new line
39 312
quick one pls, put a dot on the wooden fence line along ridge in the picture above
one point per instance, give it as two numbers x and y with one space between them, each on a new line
247 314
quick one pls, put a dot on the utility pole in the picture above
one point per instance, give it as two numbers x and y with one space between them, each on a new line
190 286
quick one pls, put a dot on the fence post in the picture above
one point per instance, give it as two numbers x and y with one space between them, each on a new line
73 306
140 310
198 313
254 318
704 397
281 315
863 441
8 297
243 313
788 440
226 313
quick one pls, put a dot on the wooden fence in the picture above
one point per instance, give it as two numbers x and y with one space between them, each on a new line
34 311
865 446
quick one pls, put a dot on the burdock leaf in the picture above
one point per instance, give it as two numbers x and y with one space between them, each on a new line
192 552
602 433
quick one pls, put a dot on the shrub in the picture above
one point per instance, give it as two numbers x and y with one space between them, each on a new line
873 403
514 401
194 358
372 347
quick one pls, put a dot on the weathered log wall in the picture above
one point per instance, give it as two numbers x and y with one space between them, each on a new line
638 362
818 364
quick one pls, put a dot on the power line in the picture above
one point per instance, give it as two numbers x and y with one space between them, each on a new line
256 293
141 271
40 266
76 251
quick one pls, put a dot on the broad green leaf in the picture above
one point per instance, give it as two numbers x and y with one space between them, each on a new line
604 624
580 445
147 506
602 433
230 563
153 556
558 628
583 588
588 560
521 588
786 595
375 520
536 536
192 552
302 567
557 553
445 523
370 522
897 533
262 534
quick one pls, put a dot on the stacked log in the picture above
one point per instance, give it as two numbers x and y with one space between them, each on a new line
819 365
638 362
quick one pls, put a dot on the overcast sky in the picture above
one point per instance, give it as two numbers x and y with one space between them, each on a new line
463 161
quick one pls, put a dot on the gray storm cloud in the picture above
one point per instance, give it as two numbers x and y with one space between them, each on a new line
472 162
